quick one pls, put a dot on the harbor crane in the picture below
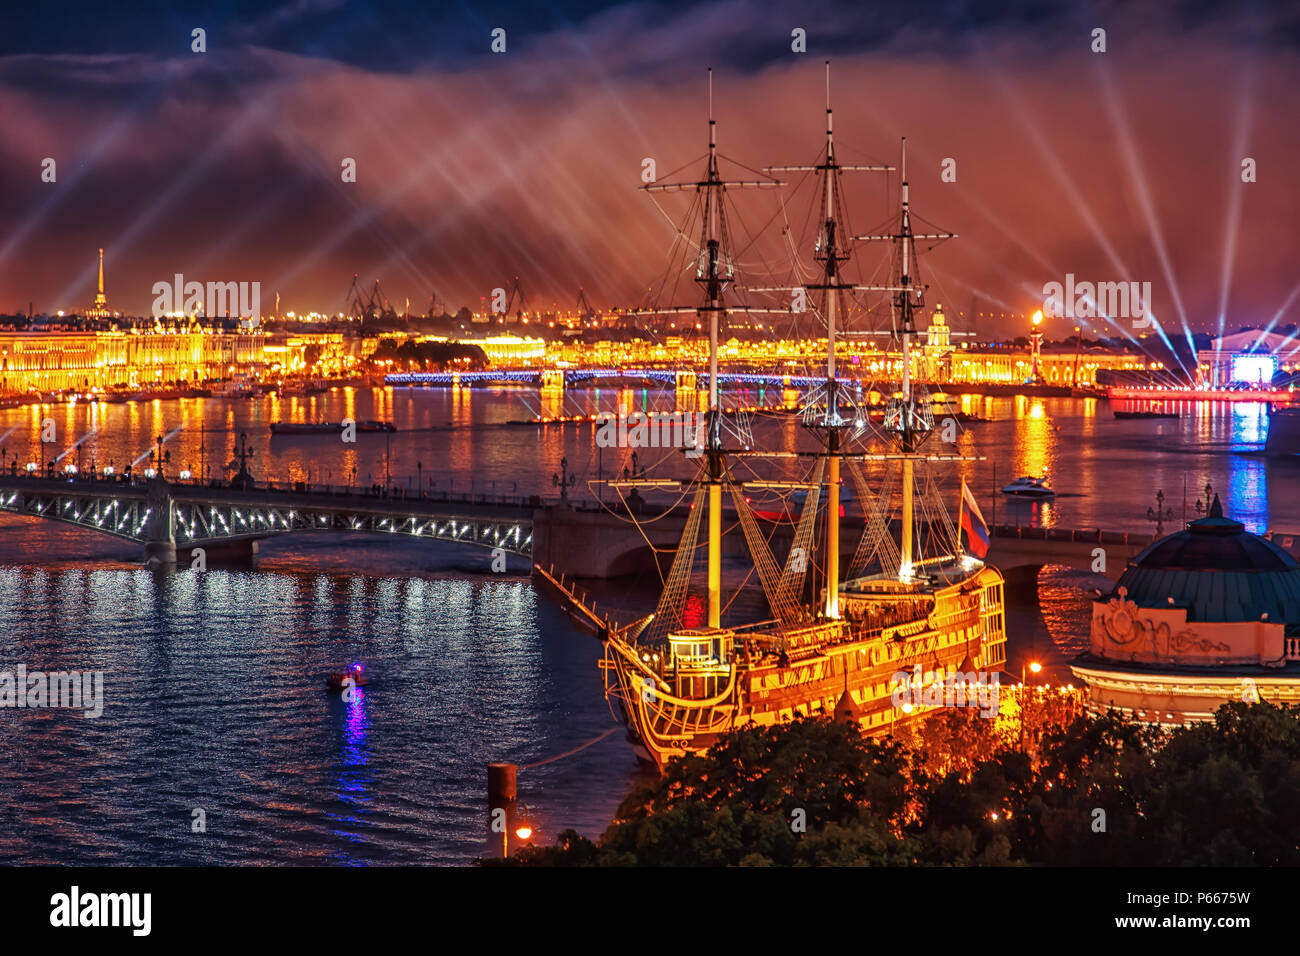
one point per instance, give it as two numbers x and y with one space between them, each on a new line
373 306
585 311
516 300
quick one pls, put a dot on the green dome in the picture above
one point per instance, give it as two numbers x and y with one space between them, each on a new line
1218 571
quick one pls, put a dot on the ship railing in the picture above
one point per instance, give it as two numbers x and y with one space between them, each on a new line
909 629
965 609
868 633
696 662
678 720
1292 646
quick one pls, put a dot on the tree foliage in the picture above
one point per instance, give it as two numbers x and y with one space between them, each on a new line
430 356
1092 790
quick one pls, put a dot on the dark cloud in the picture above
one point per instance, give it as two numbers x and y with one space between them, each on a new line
474 168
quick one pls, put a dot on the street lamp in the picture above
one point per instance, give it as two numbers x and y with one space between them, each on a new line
1034 667
565 480
1159 513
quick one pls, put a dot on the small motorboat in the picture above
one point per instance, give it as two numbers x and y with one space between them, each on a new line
355 676
1029 487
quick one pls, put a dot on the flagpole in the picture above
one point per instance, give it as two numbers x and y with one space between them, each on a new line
961 505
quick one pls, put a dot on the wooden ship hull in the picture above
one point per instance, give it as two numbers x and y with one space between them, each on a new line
679 699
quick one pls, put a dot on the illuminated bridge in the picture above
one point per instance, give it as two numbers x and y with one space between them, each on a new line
172 519
578 376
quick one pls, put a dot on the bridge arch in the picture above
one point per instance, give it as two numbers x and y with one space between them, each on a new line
167 518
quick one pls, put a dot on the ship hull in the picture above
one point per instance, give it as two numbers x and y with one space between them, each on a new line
837 669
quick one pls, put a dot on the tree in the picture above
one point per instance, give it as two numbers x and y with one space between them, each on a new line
957 790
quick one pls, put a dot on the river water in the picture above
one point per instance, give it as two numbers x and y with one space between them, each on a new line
214 702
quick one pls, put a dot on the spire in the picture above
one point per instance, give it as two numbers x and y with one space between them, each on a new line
100 308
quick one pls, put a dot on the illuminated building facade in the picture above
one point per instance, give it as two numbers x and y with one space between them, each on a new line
1202 617
312 354
937 361
1251 357
84 361
511 350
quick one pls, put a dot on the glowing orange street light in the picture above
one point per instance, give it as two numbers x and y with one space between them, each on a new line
1035 667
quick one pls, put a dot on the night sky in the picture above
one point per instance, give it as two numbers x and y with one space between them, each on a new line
474 167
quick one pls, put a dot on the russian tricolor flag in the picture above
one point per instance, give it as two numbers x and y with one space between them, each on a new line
972 523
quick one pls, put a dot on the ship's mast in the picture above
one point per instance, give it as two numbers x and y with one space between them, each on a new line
831 253
713 284
714 272
911 428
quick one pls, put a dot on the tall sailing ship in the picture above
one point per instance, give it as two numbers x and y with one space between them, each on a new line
834 644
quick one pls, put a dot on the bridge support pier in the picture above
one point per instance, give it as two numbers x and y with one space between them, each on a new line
160 543
241 552
159 553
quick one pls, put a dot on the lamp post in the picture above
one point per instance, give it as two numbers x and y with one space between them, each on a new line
388 455
1034 667
565 480
1160 513
243 479
1203 506
159 457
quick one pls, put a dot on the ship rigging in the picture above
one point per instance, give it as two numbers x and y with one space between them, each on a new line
679 687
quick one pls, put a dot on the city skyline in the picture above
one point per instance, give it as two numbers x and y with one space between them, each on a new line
648 433
473 167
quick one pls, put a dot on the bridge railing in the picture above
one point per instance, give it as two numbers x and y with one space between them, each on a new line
1090 536
394 492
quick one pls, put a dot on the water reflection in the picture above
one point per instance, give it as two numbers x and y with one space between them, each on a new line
1248 493
1249 423
1035 438
353 778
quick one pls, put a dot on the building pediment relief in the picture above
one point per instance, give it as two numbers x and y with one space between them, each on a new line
1126 627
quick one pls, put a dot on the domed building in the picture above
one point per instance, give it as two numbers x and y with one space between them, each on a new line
1201 617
